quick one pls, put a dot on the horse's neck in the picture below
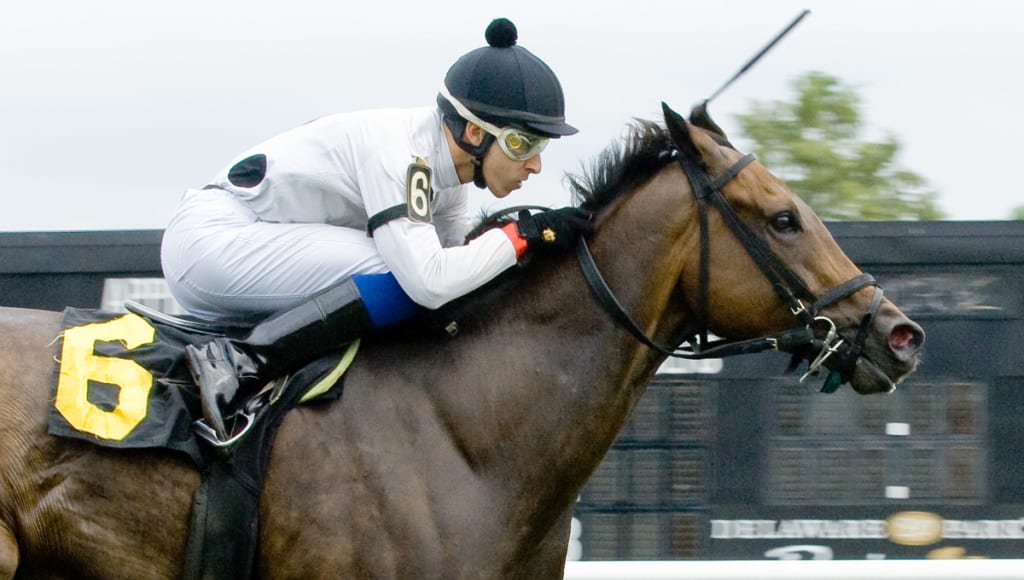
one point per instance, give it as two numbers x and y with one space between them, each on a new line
561 378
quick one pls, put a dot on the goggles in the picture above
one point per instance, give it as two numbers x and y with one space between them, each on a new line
517 144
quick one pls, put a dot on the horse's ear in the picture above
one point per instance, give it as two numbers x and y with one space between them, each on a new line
699 116
679 130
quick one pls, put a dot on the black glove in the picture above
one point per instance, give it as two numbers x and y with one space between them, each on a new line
554 229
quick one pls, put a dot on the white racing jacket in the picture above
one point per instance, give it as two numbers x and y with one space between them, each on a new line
344 168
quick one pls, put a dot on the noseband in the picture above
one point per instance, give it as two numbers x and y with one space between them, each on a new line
817 339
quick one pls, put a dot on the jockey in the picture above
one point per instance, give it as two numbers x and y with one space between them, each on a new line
355 221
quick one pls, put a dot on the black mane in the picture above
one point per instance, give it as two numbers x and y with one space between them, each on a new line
623 166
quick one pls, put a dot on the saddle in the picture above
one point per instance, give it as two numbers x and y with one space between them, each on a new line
335 366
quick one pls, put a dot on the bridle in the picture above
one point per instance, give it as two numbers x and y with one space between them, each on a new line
802 341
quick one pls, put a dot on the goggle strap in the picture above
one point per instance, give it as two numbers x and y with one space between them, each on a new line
465 113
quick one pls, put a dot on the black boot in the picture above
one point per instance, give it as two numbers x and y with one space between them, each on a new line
277 345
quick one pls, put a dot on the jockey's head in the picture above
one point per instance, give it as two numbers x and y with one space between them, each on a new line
512 96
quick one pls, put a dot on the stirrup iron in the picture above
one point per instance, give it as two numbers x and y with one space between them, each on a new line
210 434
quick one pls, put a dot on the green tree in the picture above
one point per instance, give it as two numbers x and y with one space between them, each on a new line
813 144
1018 213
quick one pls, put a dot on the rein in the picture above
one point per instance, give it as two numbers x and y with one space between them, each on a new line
802 341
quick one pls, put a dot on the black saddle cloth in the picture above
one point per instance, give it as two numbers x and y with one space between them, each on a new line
151 403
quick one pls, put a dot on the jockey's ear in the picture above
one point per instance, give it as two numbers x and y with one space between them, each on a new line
472 134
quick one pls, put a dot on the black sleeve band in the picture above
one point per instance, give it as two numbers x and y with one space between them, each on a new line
383 217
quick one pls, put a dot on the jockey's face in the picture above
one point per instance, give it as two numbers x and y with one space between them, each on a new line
505 175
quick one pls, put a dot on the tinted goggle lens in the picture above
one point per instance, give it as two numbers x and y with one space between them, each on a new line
519 145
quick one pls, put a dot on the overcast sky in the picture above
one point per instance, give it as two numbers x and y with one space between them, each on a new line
109 109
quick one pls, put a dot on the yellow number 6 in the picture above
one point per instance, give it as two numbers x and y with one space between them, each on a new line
79 364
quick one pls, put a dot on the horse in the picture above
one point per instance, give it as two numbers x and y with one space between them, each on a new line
462 456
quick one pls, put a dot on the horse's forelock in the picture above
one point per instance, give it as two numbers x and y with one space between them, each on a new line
623 166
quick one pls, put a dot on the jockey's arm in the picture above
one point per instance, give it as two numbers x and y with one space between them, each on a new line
433 275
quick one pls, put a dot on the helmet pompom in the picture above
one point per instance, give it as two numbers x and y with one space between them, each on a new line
501 33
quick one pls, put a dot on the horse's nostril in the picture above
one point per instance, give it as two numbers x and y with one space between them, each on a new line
905 336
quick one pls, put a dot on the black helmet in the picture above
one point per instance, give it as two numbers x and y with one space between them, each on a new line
506 84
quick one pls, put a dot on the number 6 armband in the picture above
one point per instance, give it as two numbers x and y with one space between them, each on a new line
419 199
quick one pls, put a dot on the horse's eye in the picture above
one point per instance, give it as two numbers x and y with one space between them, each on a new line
785 221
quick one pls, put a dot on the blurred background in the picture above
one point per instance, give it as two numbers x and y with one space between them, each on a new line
110 109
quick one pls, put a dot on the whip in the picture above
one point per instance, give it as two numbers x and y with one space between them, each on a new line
758 56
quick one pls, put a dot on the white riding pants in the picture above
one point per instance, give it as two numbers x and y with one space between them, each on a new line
222 263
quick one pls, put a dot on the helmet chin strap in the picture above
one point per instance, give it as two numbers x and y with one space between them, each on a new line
478 152
478 173
457 126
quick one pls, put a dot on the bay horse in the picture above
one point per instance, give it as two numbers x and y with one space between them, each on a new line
462 458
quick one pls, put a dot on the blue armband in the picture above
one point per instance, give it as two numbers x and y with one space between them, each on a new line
385 301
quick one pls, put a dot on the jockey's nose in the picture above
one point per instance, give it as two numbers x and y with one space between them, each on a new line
533 164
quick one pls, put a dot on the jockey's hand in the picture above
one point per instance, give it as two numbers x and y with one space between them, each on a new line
551 230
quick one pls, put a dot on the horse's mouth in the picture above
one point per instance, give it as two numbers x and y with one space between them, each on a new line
868 378
885 363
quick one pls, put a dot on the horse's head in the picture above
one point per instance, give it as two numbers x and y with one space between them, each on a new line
781 268
741 256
